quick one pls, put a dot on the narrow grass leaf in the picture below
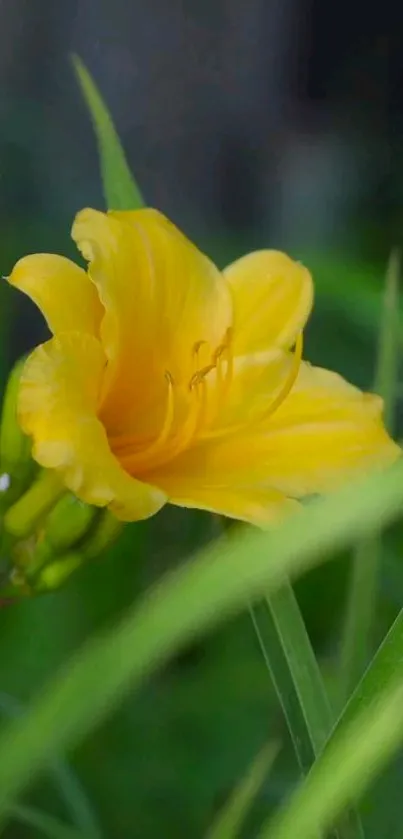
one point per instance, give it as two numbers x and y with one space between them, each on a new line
295 673
385 667
230 820
345 769
299 685
64 779
120 188
48 826
218 582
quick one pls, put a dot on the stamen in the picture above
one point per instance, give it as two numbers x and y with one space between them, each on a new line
166 429
143 457
296 361
223 354
197 346
199 376
277 401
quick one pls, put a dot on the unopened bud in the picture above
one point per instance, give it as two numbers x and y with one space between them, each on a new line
55 574
16 464
105 532
68 522
22 519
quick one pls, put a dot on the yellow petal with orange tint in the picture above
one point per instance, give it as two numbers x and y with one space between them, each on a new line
61 290
272 298
161 296
325 431
59 395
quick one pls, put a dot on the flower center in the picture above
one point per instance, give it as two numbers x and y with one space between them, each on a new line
185 407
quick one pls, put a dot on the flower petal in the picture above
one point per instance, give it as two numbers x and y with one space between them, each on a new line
258 505
62 291
59 395
272 297
161 296
325 431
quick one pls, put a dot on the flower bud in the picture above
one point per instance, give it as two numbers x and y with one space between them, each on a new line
68 522
23 518
55 574
104 534
16 464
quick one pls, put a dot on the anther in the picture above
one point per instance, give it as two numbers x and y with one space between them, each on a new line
295 365
199 377
197 346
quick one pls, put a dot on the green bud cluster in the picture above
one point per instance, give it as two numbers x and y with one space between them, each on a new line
46 532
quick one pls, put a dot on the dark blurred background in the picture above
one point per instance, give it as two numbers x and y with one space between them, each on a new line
251 124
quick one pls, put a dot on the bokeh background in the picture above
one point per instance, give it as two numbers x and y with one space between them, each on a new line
251 124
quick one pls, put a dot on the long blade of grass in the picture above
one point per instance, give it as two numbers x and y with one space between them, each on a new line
230 820
383 676
346 767
295 673
299 685
47 825
385 667
120 188
366 560
199 595
68 785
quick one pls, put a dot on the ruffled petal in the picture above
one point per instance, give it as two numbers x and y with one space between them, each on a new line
162 297
272 297
325 431
59 396
62 291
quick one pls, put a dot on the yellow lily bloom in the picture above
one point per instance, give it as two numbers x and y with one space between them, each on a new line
170 381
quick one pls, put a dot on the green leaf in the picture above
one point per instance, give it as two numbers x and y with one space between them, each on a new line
299 685
63 777
381 683
48 826
295 673
366 560
351 761
196 597
120 188
231 818
385 667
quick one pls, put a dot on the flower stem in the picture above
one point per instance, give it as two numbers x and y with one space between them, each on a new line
298 682
295 673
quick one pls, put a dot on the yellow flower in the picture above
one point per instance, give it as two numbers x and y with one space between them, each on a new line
170 381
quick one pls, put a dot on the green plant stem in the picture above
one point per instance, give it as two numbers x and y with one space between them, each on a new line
299 685
361 599
295 673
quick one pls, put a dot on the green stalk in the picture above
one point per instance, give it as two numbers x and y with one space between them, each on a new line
295 673
299 685
363 585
